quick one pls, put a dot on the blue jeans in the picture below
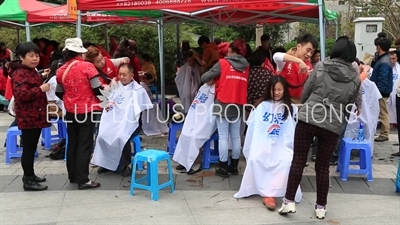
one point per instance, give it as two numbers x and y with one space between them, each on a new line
228 127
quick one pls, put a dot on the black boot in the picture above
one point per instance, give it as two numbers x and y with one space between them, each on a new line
37 179
233 167
222 171
30 184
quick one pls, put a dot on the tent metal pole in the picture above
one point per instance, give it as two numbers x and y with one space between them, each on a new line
79 24
178 45
336 29
28 31
321 29
162 70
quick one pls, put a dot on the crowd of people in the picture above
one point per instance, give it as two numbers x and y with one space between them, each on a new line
276 99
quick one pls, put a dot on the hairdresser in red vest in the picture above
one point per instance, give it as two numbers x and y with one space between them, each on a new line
231 79
108 68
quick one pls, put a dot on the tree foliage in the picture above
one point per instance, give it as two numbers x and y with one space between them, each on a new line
389 9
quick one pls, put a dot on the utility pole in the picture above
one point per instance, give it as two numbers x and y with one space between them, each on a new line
259 33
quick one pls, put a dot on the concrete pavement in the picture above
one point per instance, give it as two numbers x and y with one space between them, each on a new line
199 199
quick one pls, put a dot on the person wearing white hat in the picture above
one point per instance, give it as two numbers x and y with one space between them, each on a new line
78 85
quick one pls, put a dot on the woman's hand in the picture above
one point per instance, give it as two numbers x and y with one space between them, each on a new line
45 87
46 73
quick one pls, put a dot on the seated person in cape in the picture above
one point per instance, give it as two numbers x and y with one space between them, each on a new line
120 121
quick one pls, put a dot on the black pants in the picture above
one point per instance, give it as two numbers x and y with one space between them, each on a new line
398 117
80 146
30 139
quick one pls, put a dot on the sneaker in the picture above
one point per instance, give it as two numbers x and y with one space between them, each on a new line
381 139
320 213
287 207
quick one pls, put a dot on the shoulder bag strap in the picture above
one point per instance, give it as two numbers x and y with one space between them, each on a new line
67 70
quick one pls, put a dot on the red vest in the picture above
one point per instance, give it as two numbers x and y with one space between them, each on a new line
231 87
296 81
109 69
6 55
268 65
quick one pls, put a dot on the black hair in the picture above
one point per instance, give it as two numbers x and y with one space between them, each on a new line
128 66
68 55
27 47
217 41
316 52
203 39
53 68
36 41
278 49
186 55
257 58
123 50
344 49
269 93
308 38
113 36
249 51
88 44
357 61
147 57
384 43
265 37
382 35
2 44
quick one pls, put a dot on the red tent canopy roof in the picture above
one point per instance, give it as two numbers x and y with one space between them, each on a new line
218 12
60 15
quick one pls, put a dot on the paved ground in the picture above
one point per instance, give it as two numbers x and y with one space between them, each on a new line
199 199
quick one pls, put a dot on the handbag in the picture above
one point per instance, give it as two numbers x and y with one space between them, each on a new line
53 110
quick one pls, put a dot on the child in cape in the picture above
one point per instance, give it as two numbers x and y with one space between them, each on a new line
268 146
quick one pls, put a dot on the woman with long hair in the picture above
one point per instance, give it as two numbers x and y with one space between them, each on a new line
231 78
268 146
128 48
331 87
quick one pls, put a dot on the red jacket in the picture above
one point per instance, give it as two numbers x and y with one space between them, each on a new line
3 80
223 49
6 54
137 66
295 80
232 84
109 69
30 101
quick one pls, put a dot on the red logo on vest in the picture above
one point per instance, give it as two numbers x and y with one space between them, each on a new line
231 87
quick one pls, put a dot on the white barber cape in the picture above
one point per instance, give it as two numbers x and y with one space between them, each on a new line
392 98
198 127
118 122
188 82
153 122
268 150
369 113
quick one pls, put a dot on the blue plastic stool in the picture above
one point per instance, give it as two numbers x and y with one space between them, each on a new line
12 149
210 156
154 90
398 178
172 140
136 149
152 157
365 163
48 139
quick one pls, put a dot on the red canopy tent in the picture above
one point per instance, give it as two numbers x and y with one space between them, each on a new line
219 12
60 15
